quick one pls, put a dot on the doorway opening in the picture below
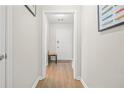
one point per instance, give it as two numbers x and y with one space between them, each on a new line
59 36
63 42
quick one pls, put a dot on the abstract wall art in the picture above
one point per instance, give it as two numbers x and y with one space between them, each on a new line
110 16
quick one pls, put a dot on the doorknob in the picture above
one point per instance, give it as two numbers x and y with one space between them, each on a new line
1 57
57 41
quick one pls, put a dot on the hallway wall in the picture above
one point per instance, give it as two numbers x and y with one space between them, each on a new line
102 52
26 48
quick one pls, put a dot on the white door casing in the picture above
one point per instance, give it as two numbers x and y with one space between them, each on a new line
2 46
75 62
44 51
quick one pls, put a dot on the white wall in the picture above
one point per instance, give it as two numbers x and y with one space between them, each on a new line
52 38
63 33
26 47
102 52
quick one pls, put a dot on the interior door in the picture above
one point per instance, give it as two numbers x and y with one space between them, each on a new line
64 41
2 46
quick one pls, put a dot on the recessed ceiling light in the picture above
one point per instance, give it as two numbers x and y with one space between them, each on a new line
60 20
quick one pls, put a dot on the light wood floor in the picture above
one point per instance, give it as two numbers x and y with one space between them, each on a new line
59 75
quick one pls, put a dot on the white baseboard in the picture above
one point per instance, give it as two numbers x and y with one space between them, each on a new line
84 84
41 78
36 81
78 78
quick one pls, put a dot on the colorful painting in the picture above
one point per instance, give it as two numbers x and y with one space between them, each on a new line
110 16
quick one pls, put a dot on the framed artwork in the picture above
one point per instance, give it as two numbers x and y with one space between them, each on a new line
110 16
32 9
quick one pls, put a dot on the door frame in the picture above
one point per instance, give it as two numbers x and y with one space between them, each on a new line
9 46
3 42
44 49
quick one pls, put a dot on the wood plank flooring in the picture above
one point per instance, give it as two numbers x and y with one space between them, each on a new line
59 75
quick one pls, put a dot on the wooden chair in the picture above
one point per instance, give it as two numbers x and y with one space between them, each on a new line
50 54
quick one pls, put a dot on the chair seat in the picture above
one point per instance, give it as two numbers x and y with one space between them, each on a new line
52 53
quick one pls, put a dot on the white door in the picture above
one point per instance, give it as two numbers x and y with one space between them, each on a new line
64 41
2 46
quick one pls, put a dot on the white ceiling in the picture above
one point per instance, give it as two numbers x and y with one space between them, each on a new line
60 17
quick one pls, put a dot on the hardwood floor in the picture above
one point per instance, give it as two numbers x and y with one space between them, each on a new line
59 75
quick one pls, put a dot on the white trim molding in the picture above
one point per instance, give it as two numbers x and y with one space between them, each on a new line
83 83
36 81
78 78
9 46
41 78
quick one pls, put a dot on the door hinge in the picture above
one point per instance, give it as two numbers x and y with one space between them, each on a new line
5 55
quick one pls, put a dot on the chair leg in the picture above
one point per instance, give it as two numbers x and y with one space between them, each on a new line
48 59
56 59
